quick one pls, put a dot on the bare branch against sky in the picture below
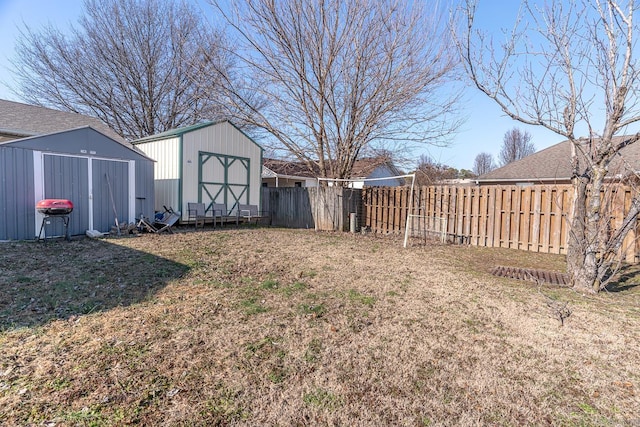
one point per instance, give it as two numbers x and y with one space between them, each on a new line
333 78
139 65
560 64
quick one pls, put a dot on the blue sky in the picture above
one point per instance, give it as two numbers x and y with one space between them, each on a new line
483 130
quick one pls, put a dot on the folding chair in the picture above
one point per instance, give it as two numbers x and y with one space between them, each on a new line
219 212
166 221
196 213
248 213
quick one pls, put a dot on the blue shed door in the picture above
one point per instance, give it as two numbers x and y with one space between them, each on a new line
84 181
66 178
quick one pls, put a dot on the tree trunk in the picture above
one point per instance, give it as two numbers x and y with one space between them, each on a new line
577 248
587 238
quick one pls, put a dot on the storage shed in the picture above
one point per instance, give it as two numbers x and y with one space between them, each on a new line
74 165
212 162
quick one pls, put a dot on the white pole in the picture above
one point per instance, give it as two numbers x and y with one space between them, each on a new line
315 222
406 229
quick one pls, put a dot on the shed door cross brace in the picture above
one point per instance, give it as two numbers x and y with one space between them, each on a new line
213 191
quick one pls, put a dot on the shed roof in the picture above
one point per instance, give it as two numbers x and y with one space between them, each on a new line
184 130
174 132
24 120
22 142
554 164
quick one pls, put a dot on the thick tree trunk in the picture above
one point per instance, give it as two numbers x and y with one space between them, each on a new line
581 261
588 238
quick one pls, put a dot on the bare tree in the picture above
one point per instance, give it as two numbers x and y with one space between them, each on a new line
430 172
141 66
578 55
483 163
516 145
336 77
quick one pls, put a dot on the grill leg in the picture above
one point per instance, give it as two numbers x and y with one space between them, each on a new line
67 235
41 228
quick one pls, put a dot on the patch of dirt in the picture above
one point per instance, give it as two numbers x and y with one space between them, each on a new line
292 327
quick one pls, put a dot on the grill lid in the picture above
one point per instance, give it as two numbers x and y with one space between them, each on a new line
54 206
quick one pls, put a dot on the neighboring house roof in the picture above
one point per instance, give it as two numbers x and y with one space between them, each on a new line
554 164
23 120
362 168
285 168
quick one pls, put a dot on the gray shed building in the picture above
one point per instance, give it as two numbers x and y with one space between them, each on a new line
72 164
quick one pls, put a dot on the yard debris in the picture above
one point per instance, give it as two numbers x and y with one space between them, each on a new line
559 310
124 229
94 234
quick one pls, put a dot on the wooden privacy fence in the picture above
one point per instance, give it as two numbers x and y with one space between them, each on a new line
323 208
532 218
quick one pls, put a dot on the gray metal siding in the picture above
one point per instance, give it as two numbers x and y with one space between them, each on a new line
145 197
67 178
17 205
103 208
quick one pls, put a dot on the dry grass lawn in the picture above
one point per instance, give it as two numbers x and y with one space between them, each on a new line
290 327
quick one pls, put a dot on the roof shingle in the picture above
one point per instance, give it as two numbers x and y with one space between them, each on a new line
554 164
24 120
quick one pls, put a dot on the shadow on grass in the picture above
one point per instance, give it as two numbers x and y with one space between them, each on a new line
57 280
627 278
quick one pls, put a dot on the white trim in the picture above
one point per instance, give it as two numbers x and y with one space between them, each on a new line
38 186
90 181
132 191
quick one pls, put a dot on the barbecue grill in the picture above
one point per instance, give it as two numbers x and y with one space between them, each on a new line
55 208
